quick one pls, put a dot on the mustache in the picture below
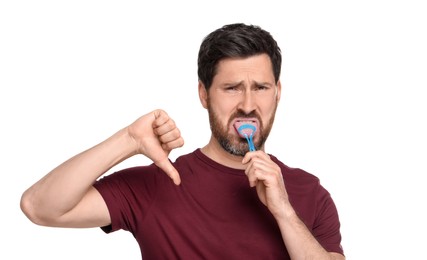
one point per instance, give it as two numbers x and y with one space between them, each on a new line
242 114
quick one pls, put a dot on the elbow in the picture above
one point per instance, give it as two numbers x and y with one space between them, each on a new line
29 208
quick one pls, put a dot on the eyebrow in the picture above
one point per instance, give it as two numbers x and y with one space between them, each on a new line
256 83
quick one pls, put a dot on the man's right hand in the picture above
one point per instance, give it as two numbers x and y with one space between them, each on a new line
155 135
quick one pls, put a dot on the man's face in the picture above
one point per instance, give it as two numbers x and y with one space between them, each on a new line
242 91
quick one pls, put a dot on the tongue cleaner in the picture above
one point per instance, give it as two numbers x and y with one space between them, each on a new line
248 130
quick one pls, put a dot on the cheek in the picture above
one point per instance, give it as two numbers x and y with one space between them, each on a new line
268 112
223 109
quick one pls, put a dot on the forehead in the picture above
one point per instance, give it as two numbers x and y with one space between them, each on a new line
258 68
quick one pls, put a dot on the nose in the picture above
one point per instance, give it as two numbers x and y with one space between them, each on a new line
247 104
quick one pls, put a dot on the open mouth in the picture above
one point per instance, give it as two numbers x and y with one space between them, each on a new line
245 127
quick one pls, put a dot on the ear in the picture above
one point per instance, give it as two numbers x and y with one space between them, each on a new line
203 95
279 91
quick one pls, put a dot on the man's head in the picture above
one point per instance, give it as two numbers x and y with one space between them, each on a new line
239 69
236 41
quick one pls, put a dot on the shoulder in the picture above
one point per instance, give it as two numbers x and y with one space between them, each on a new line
295 175
145 173
301 183
189 162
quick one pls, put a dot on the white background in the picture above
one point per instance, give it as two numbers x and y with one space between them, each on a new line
353 109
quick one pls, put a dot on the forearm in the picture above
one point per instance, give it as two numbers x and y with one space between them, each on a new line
299 241
63 188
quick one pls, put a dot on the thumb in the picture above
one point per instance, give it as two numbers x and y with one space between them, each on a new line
168 168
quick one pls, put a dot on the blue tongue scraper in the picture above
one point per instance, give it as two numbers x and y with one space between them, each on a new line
243 130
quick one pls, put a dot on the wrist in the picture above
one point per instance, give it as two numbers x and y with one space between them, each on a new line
120 146
286 213
129 141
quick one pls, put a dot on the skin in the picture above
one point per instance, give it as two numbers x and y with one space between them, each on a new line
65 196
248 85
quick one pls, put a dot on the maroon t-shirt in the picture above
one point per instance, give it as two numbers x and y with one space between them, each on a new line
214 213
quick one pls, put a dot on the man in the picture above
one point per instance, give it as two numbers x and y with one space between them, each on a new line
224 201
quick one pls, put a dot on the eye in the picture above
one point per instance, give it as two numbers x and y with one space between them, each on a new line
232 89
261 88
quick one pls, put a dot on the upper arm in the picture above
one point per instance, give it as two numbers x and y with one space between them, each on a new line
91 211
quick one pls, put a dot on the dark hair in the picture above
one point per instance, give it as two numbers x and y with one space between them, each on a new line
236 41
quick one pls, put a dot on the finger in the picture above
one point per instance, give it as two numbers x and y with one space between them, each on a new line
176 143
160 118
261 169
168 168
253 179
250 155
256 162
247 158
166 127
170 136
256 172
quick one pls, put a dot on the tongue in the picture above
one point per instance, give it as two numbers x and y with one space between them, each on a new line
244 128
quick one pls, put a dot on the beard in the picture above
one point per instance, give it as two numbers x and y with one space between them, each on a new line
233 143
